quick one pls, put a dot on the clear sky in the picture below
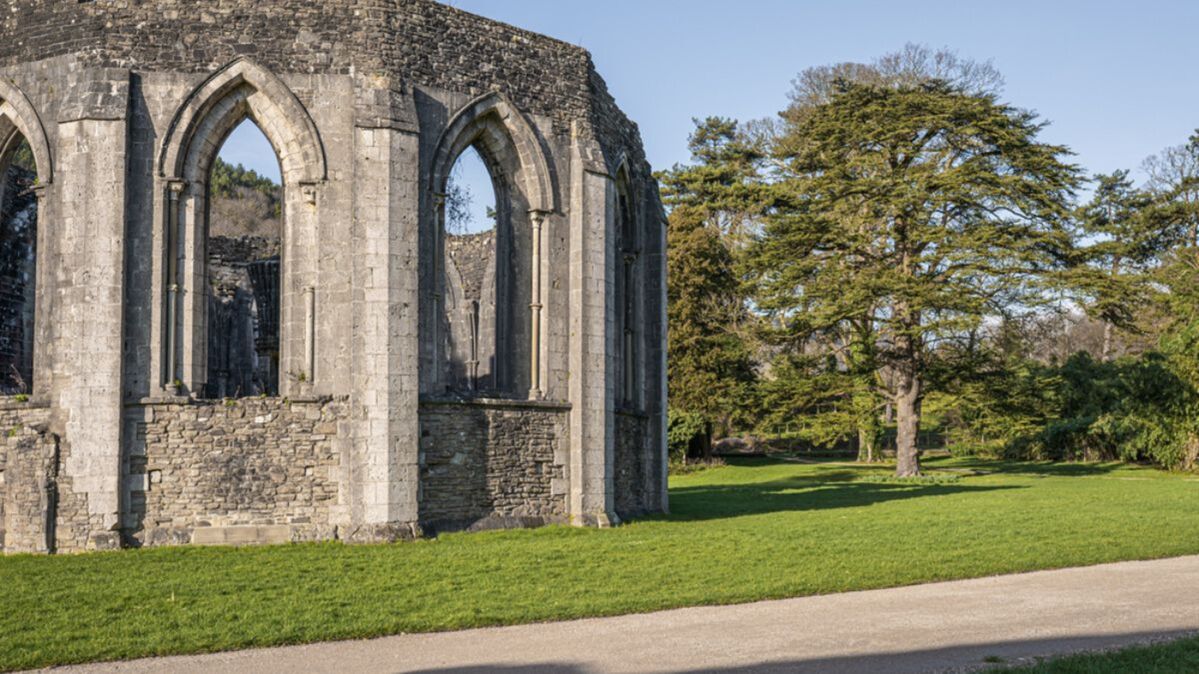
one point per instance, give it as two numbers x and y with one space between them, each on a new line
1118 80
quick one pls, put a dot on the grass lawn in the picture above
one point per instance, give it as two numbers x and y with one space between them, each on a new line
756 529
1179 657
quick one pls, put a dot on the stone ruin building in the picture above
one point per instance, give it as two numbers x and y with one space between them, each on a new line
366 376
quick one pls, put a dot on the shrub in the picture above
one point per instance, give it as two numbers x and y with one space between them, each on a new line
682 430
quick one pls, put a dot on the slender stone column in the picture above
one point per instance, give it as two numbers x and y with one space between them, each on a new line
43 321
535 306
193 290
439 204
474 345
171 295
310 333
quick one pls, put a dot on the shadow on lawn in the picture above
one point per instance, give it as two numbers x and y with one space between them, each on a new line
1040 468
833 490
847 469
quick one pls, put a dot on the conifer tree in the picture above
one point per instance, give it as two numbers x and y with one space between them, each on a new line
710 367
924 205
1126 236
1174 181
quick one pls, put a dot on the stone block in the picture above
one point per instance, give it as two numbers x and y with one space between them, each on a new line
242 535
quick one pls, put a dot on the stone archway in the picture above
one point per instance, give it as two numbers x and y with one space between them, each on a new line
18 115
520 170
19 122
240 91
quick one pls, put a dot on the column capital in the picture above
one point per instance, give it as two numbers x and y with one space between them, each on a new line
309 191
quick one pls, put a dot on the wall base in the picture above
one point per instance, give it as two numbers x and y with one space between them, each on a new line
595 520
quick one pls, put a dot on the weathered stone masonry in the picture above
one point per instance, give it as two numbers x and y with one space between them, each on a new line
493 463
262 467
386 423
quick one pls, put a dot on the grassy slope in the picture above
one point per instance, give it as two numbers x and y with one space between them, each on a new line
754 530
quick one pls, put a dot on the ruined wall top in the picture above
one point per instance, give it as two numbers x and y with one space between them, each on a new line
419 42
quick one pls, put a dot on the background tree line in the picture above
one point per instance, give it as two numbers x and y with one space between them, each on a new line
900 250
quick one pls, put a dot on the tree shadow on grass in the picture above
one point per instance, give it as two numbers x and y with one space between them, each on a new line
847 469
1038 468
713 502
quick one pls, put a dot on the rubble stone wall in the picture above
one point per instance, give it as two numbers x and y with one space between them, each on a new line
263 468
30 462
488 464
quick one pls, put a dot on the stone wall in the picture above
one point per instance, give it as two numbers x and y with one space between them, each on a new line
489 464
632 469
231 253
31 459
473 256
436 45
472 339
255 470
440 47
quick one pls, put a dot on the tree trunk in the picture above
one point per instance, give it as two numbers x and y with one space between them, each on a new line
868 428
908 391
1192 453
1109 330
867 445
907 409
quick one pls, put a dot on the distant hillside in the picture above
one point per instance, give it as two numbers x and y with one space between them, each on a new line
244 203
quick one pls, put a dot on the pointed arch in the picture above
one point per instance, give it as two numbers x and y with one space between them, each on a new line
17 115
628 231
239 90
491 120
525 198
629 285
621 165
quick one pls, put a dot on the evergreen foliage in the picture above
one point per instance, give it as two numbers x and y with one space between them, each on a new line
229 180
920 209
1127 239
901 242
23 157
711 373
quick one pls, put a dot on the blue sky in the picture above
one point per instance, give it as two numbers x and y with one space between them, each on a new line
1118 80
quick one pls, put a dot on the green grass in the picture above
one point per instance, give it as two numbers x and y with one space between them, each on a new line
1179 657
755 529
